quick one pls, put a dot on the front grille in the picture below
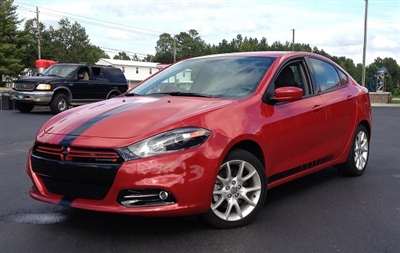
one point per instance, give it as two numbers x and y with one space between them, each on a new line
75 172
73 190
75 154
25 86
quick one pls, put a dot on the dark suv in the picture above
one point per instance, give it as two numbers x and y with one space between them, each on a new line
68 84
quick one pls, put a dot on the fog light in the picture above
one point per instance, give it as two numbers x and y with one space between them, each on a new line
163 195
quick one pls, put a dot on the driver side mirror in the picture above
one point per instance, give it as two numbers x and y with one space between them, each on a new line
288 94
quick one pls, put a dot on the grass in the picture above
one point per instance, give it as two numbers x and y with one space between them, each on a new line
394 102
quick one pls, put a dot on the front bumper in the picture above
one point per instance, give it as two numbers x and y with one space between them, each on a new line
39 97
188 175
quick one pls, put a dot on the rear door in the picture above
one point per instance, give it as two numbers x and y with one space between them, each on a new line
102 85
340 104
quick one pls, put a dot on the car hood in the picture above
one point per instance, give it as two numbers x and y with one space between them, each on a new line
39 79
129 118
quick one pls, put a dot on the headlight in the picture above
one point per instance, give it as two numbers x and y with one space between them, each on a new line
43 86
171 141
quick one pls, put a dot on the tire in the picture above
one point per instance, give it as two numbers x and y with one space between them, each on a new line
358 156
239 192
112 96
59 103
24 107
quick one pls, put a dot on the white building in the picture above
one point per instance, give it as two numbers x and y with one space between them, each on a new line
135 71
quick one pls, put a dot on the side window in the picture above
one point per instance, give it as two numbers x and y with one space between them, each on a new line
326 76
293 75
115 75
98 73
343 78
85 72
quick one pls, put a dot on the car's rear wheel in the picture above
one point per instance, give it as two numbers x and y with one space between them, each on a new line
358 156
239 191
59 103
24 107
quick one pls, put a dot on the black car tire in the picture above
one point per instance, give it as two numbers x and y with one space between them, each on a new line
24 107
358 156
239 192
59 103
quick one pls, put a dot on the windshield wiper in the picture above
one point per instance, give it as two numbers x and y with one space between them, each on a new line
131 94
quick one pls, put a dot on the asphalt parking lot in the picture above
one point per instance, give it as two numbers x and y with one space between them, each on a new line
323 212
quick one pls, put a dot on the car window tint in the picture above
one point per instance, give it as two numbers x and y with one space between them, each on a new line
115 75
84 71
343 78
60 70
326 75
98 73
293 75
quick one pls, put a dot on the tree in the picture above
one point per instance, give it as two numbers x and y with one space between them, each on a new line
148 58
12 41
72 44
249 45
165 49
189 44
47 48
122 56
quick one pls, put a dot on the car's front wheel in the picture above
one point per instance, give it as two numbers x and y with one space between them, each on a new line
59 103
358 156
239 192
24 107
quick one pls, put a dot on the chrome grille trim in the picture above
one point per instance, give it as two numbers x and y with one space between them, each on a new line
24 86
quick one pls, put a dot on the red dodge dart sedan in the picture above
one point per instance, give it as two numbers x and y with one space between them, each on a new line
206 136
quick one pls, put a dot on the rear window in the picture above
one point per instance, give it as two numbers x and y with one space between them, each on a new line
115 75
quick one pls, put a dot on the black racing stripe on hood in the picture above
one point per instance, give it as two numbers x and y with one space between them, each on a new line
69 138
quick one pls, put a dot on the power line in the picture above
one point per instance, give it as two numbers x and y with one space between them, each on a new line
105 24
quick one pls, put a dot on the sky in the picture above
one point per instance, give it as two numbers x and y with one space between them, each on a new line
133 26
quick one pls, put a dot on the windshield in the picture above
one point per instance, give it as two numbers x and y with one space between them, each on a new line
60 70
226 77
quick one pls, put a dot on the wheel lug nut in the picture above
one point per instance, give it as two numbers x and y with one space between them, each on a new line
227 188
229 195
233 182
237 195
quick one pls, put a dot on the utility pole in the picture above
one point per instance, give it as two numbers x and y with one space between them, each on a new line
293 40
174 48
365 43
38 31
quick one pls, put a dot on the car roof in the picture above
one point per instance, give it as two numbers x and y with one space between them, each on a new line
275 54
281 55
84 64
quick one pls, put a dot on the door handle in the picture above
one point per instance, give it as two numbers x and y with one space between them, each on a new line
318 108
350 97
